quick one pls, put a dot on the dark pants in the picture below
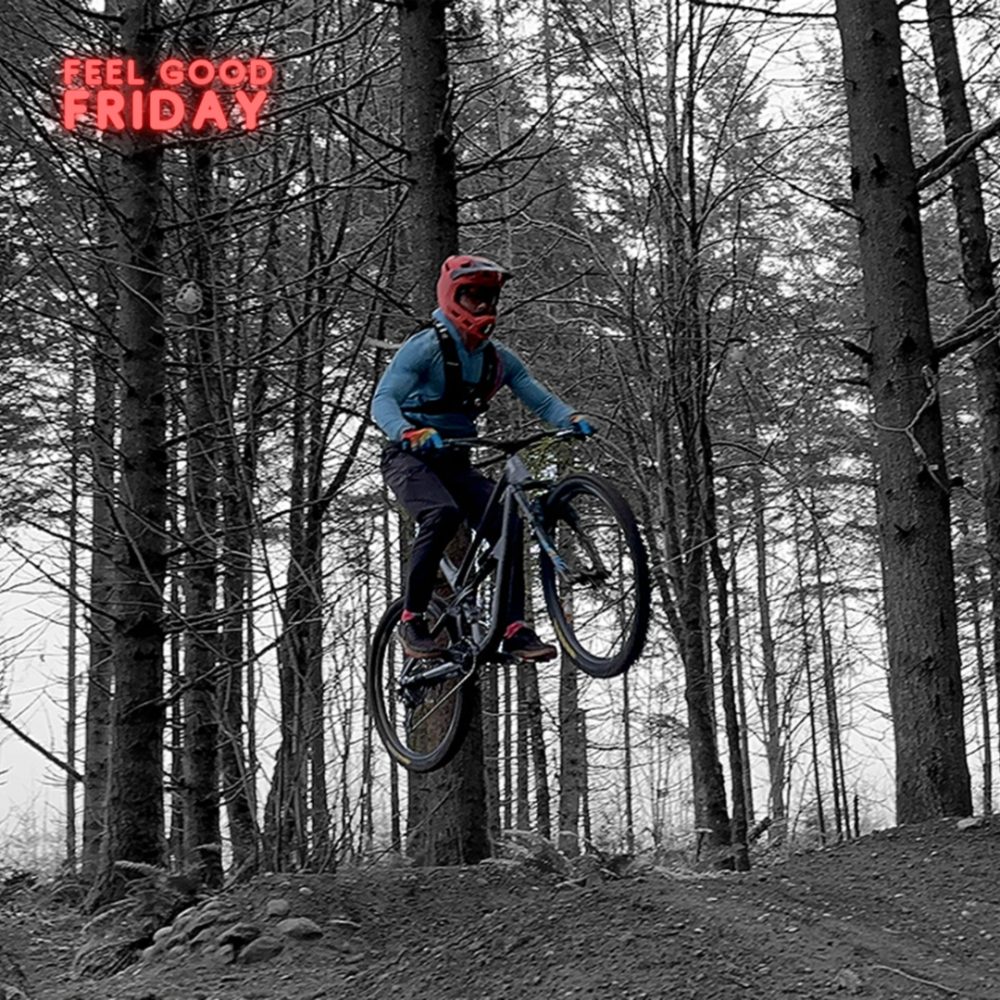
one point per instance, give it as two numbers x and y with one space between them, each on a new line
439 491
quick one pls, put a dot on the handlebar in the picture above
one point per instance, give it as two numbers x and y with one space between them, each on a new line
511 447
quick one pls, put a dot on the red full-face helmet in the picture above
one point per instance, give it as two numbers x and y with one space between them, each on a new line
468 290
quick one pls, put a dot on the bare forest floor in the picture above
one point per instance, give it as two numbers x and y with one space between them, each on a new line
907 913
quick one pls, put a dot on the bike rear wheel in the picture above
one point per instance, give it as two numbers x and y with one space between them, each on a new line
596 585
421 723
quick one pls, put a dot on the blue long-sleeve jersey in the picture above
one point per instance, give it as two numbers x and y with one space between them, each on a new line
415 376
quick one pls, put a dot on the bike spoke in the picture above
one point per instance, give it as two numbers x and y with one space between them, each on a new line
443 693
596 587
598 591
419 721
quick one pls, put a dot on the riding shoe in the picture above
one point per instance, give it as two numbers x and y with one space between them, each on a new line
525 645
417 640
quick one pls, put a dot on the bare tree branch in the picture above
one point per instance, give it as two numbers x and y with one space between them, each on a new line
979 322
954 153
797 15
37 746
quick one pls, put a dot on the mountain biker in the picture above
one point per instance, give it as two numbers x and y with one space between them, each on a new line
439 382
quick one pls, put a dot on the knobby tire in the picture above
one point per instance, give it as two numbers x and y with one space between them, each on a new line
602 619
446 699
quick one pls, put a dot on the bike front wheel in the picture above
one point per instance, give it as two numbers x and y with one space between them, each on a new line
421 723
596 578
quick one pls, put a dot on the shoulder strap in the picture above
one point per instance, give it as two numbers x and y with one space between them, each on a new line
453 384
488 380
460 396
478 397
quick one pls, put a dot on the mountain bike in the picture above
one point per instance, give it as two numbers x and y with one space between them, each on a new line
595 581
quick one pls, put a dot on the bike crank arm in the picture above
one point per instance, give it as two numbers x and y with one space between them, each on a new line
431 675
454 662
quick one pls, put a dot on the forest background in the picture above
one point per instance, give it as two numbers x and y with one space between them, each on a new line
671 184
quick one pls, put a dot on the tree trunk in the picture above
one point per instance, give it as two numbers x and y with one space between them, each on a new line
739 856
491 750
533 709
773 735
234 759
571 759
285 823
395 806
925 683
446 823
627 766
319 804
977 276
811 705
838 779
367 840
73 613
741 688
202 837
840 813
135 793
447 809
432 192
100 621
175 731
814 745
706 638
508 757
982 682
522 814
237 753
588 827
201 728
237 777
711 816
298 808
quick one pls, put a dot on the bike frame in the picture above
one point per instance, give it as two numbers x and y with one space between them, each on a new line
519 509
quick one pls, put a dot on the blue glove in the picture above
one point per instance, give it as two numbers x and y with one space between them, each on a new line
422 439
582 425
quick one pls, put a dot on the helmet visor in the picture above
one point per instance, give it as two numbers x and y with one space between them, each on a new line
489 271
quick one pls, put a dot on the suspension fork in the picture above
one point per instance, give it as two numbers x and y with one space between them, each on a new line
531 514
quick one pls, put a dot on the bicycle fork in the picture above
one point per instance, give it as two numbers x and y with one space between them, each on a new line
597 572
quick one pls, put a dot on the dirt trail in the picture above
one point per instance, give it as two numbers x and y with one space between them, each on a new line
909 913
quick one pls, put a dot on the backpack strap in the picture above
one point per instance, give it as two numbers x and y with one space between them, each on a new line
460 396
488 384
454 384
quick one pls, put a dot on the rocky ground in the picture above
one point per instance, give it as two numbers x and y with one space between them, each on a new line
907 913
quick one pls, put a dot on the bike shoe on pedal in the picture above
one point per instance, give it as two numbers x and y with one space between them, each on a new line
417 640
521 641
